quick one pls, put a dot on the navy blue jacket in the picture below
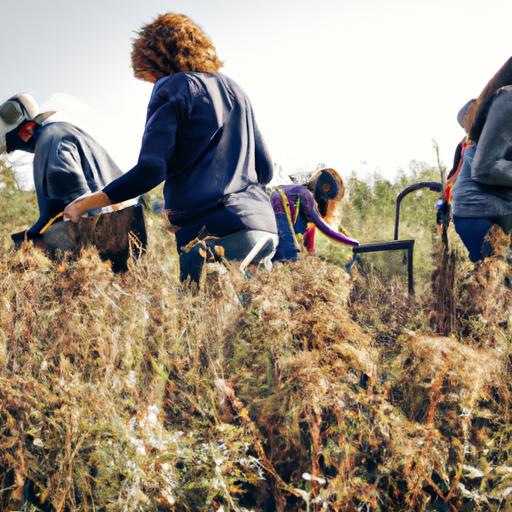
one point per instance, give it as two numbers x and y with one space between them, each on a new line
202 139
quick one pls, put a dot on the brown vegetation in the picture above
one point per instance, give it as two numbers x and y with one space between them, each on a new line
288 391
297 390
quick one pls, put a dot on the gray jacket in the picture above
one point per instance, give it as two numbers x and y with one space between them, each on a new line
484 186
67 163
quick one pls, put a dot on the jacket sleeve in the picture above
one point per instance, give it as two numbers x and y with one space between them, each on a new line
151 169
264 165
492 164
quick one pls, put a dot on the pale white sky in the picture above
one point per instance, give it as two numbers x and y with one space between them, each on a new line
360 85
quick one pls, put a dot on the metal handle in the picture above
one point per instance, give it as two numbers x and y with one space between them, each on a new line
434 186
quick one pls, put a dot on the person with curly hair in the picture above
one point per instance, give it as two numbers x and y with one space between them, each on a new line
202 139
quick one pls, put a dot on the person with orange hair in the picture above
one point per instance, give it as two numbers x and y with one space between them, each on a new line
202 139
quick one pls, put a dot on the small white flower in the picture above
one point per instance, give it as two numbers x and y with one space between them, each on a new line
303 494
309 477
472 472
507 492
131 380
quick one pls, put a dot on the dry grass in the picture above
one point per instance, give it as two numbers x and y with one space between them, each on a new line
129 392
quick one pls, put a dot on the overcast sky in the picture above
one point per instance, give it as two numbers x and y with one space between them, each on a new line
361 85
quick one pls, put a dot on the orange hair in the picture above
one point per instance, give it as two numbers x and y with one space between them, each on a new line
170 44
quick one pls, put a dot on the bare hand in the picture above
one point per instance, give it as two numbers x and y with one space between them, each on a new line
74 210
83 204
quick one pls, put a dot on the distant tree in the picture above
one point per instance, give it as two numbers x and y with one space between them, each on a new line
19 206
7 175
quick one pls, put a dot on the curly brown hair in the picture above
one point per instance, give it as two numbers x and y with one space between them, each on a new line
169 44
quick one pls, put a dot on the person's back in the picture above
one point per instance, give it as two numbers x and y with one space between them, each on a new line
473 198
67 164
218 163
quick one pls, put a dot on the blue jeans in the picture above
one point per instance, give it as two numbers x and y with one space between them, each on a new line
237 246
473 231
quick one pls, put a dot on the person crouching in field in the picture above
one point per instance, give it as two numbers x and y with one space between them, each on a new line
482 185
67 161
200 137
301 209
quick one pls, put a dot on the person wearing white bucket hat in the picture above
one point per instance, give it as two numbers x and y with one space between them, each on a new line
67 161
19 109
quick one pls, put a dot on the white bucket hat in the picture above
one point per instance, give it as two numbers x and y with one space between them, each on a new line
16 110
